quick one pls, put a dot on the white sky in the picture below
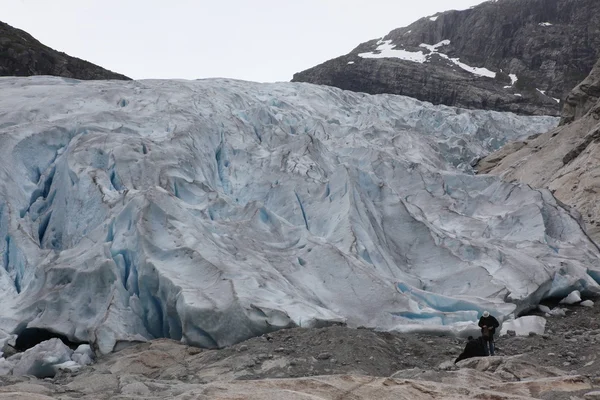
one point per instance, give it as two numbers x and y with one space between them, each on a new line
258 40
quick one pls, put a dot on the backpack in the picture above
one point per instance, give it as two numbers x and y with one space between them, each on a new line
485 332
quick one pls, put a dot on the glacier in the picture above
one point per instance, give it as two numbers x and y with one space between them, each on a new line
215 210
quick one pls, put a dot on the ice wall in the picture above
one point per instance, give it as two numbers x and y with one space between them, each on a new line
212 211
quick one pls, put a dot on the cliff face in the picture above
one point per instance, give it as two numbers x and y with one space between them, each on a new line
533 52
565 160
583 98
22 55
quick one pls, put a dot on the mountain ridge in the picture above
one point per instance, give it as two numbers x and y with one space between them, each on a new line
23 55
548 46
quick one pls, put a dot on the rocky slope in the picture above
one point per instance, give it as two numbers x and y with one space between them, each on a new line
506 55
341 363
565 160
23 55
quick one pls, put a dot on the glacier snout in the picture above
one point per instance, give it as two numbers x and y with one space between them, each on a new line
212 211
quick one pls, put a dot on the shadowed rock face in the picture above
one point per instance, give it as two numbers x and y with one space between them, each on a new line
550 45
583 98
22 55
565 160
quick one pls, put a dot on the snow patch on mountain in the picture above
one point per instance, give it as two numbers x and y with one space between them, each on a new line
433 48
474 70
385 49
212 211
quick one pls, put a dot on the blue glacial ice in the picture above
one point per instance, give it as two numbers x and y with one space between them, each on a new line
212 211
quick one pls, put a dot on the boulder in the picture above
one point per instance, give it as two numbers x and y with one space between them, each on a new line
41 361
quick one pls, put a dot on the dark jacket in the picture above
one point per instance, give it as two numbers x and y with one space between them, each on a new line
473 348
491 323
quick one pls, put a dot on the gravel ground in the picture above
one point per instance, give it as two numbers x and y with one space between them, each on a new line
164 368
571 343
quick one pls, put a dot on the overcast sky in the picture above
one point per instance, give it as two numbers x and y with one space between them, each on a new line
258 40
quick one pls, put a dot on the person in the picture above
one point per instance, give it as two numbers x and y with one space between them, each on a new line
488 324
473 348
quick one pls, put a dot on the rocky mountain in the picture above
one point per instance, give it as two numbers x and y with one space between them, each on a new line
565 160
22 55
506 55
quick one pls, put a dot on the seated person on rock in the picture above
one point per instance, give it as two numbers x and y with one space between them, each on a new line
473 348
488 325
